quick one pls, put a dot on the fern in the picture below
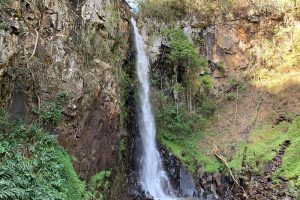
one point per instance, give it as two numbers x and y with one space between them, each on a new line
5 174
31 165
13 194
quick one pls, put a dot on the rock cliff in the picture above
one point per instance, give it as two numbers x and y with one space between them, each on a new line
75 49
248 55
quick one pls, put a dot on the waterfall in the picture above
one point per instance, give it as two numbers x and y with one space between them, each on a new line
153 178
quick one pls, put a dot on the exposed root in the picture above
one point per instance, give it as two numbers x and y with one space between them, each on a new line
35 46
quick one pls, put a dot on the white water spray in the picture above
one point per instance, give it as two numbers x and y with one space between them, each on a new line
153 177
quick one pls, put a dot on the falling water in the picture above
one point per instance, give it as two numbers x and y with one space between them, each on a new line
153 178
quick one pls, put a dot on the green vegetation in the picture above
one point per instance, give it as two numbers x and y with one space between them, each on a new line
182 50
90 46
264 143
75 187
112 20
172 10
122 149
3 2
283 55
281 59
180 130
100 182
184 54
166 10
124 95
181 117
263 146
3 25
51 113
290 168
105 49
33 165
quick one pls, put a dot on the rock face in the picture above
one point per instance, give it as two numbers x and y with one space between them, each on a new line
72 47
235 43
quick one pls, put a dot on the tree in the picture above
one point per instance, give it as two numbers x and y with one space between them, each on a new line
184 53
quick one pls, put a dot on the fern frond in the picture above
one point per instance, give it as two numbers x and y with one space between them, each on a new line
13 194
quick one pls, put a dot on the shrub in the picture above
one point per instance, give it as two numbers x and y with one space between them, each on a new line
181 131
207 82
33 165
182 50
165 10
208 107
99 184
51 112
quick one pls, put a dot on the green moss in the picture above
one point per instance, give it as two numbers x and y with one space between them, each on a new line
290 168
263 146
74 186
187 151
237 161
264 143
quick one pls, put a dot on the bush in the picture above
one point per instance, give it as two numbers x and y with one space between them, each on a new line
99 185
33 165
181 131
207 82
163 10
51 113
182 50
208 107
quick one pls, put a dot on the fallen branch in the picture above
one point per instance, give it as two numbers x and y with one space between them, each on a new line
219 155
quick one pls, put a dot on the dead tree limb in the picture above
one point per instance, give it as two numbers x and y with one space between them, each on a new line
219 155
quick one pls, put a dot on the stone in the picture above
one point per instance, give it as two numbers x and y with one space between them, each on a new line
199 23
254 19
209 178
201 172
90 126
227 43
217 177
